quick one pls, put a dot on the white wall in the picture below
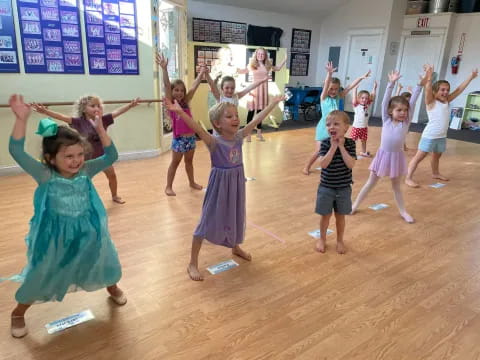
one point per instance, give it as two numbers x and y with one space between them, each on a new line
262 18
469 24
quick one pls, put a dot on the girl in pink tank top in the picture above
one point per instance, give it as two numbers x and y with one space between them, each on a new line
183 142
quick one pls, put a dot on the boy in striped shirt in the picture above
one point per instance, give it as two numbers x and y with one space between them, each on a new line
337 158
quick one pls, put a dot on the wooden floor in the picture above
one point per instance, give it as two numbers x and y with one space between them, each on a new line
401 292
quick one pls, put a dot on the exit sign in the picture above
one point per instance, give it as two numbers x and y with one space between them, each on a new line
423 22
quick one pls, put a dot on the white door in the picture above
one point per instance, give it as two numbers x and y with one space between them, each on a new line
362 56
417 51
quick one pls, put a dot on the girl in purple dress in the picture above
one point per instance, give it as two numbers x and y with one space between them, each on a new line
390 159
223 212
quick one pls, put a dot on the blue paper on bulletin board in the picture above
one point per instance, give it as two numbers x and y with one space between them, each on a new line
112 33
8 43
51 36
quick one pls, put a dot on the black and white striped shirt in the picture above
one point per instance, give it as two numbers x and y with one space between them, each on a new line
337 174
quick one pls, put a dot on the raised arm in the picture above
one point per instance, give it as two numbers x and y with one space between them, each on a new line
326 84
373 94
429 97
243 71
249 88
196 84
162 61
280 66
399 89
355 83
123 109
463 85
53 114
354 96
262 115
204 135
92 167
213 86
392 78
17 141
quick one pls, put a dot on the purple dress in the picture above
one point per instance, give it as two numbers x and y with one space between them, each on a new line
223 211
86 129
390 158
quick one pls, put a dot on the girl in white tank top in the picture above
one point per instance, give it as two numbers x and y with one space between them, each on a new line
437 100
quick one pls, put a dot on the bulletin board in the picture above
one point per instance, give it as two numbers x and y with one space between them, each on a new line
233 33
301 41
51 36
272 55
111 30
204 55
219 31
299 64
8 43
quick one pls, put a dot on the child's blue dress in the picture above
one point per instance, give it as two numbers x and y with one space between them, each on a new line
68 245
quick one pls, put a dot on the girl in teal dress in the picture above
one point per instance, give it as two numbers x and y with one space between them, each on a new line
329 101
68 245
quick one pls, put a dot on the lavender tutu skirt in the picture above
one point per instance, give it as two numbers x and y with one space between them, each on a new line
391 164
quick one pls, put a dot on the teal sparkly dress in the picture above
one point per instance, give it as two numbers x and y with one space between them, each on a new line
68 245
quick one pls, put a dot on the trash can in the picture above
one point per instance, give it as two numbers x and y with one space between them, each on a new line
438 6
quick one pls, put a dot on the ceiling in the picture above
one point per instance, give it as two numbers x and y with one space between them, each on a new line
314 9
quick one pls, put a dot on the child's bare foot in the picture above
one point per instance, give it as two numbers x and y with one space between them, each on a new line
341 249
320 246
406 216
237 250
305 171
439 177
249 138
18 327
365 154
118 199
260 137
411 183
194 273
117 295
170 192
196 186
354 211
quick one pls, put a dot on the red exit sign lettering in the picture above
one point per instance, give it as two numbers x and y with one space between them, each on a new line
423 22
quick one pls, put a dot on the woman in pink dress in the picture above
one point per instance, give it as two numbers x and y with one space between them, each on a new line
260 66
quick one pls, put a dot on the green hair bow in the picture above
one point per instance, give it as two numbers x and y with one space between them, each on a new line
47 127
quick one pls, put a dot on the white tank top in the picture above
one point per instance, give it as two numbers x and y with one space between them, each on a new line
438 121
360 120
233 100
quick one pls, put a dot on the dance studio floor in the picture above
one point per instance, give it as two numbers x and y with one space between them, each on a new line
401 292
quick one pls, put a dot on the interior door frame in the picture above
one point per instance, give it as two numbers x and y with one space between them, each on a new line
434 32
363 32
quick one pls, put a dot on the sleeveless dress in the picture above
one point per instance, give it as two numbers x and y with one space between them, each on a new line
390 158
68 245
327 105
258 100
223 212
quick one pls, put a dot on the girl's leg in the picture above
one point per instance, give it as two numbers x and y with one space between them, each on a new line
112 183
419 156
313 158
237 250
397 193
370 184
172 169
364 148
192 268
259 130
250 115
340 225
189 169
18 326
321 243
117 294
435 162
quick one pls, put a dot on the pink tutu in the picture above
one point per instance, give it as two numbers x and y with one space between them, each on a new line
392 164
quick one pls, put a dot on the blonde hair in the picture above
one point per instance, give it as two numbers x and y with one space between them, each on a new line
436 85
81 104
216 112
339 114
253 64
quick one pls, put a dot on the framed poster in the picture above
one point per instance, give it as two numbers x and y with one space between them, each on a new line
204 55
111 29
299 64
8 43
51 36
300 41
272 56
233 33
206 30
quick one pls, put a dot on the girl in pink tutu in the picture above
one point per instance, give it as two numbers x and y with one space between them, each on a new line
390 159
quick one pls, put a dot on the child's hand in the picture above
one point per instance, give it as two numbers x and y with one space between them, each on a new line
394 76
400 86
278 98
19 108
175 106
334 142
341 141
367 74
97 123
329 67
375 84
474 74
161 60
427 76
38 108
134 102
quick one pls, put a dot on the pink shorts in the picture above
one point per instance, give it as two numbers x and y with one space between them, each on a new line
359 134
